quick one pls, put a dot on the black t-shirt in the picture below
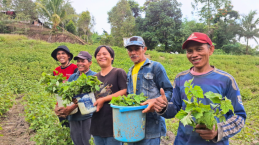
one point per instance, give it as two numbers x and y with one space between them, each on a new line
114 81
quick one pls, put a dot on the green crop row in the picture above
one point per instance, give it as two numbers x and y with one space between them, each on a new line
23 62
39 113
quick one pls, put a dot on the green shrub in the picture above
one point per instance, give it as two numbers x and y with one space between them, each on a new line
70 27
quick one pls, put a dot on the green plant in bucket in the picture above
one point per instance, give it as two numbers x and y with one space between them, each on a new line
84 84
129 100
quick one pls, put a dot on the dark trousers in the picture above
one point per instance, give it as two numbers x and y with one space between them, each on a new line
80 131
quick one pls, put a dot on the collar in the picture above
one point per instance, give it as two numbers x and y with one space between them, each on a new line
214 68
147 62
78 73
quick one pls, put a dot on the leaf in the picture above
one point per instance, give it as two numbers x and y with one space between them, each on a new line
213 105
208 119
189 105
226 105
181 114
217 111
197 113
197 92
137 99
214 97
189 96
188 83
97 88
221 118
187 120
57 83
186 90
204 108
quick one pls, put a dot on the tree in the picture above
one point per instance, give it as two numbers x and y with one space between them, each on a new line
54 10
161 24
249 28
122 22
6 5
27 7
207 8
106 39
86 23
134 6
226 26
70 27
70 15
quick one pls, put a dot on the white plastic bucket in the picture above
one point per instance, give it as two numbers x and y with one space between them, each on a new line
60 101
86 103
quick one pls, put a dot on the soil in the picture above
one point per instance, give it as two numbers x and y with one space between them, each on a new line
15 129
168 139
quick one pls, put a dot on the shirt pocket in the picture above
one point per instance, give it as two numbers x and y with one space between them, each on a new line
149 86
148 81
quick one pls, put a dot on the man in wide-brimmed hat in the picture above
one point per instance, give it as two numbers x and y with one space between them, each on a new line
64 56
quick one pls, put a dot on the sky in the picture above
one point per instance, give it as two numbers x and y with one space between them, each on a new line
100 8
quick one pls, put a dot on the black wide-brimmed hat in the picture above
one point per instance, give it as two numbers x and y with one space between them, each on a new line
64 48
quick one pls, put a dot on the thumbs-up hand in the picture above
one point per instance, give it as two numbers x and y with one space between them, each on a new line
156 104
161 102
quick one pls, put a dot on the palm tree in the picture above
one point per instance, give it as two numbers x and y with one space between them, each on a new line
249 28
54 10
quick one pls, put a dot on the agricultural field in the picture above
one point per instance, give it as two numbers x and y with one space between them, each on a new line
24 60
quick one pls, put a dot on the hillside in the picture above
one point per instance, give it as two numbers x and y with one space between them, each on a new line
23 61
42 33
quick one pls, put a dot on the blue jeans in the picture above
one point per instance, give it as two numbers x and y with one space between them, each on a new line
151 141
106 141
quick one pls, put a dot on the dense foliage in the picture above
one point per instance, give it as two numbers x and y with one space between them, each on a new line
129 100
29 58
70 27
162 22
84 84
122 22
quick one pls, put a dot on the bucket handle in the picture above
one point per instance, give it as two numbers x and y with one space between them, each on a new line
133 108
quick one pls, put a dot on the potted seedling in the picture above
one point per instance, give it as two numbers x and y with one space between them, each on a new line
82 89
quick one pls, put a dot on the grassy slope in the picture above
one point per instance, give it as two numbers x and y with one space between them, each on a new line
23 61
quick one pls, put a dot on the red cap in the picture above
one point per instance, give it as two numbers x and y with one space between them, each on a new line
198 37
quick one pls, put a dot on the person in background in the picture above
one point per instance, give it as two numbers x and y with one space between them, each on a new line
149 77
63 55
114 85
199 48
79 124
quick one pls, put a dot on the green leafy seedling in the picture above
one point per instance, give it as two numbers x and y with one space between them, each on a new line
198 113
129 100
84 84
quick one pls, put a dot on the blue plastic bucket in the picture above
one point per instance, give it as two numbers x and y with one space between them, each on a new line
128 123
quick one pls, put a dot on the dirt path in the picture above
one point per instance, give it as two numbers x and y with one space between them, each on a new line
15 129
